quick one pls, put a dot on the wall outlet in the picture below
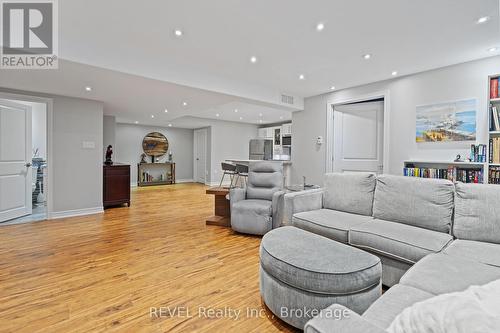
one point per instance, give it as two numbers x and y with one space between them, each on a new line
88 145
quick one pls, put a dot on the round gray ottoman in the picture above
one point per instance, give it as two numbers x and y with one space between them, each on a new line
302 273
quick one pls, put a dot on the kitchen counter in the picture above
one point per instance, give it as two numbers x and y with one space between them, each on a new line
287 165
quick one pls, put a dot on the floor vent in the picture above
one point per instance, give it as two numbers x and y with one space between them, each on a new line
286 99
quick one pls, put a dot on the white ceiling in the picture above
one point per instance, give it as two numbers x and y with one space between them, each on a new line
210 63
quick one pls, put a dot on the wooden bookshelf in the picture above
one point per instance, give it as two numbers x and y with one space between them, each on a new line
150 174
468 172
493 166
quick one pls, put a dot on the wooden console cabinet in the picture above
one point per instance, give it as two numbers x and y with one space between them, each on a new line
116 185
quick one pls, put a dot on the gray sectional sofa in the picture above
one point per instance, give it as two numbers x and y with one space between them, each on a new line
432 237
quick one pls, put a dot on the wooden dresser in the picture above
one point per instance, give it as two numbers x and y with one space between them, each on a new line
116 185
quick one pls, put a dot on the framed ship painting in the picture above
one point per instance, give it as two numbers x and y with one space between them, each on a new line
447 122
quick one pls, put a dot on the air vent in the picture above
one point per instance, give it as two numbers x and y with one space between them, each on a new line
286 99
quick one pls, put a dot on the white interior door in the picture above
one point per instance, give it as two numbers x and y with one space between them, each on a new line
200 155
358 137
15 160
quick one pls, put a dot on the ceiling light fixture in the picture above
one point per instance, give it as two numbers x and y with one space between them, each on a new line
260 121
281 117
88 88
253 59
320 26
241 118
217 115
166 110
483 19
332 88
169 125
184 103
136 122
301 77
260 114
178 32
152 116
394 73
367 56
236 110
493 49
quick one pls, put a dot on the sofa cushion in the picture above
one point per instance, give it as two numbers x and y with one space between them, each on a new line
425 203
330 223
317 264
477 213
441 273
486 253
264 178
349 192
396 240
392 302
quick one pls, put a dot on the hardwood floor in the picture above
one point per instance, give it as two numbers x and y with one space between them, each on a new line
106 272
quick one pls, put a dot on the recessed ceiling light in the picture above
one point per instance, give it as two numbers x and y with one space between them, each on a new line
332 88
260 114
394 73
253 59
178 32
166 110
184 103
493 49
217 115
260 121
483 19
320 26
367 56
136 122
88 88
152 116
236 110
169 125
241 118
301 77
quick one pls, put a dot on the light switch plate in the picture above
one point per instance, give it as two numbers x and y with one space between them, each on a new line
88 145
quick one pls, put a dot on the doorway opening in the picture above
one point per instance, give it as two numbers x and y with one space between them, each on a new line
357 135
24 161
200 155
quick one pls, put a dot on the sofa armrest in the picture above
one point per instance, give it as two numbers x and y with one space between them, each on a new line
339 319
278 203
236 194
301 201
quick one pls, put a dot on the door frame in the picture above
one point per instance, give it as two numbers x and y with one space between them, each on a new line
49 102
361 98
195 151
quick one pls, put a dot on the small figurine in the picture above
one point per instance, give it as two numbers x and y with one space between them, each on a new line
143 158
109 154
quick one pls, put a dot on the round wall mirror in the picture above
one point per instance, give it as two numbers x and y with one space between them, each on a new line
155 144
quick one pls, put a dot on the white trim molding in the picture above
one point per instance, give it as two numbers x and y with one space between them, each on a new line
76 212
329 124
180 181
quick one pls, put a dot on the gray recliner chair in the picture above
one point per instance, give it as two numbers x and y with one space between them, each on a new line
254 209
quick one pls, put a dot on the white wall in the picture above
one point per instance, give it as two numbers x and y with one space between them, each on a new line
128 148
77 172
464 81
39 128
108 133
228 140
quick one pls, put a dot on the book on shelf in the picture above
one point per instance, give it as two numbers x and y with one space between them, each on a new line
494 175
478 153
494 88
494 118
494 150
455 174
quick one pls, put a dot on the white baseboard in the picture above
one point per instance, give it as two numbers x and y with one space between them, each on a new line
178 181
217 183
75 212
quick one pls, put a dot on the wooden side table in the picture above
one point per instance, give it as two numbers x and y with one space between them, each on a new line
222 215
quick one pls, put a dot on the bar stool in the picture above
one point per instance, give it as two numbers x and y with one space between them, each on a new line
241 171
229 169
